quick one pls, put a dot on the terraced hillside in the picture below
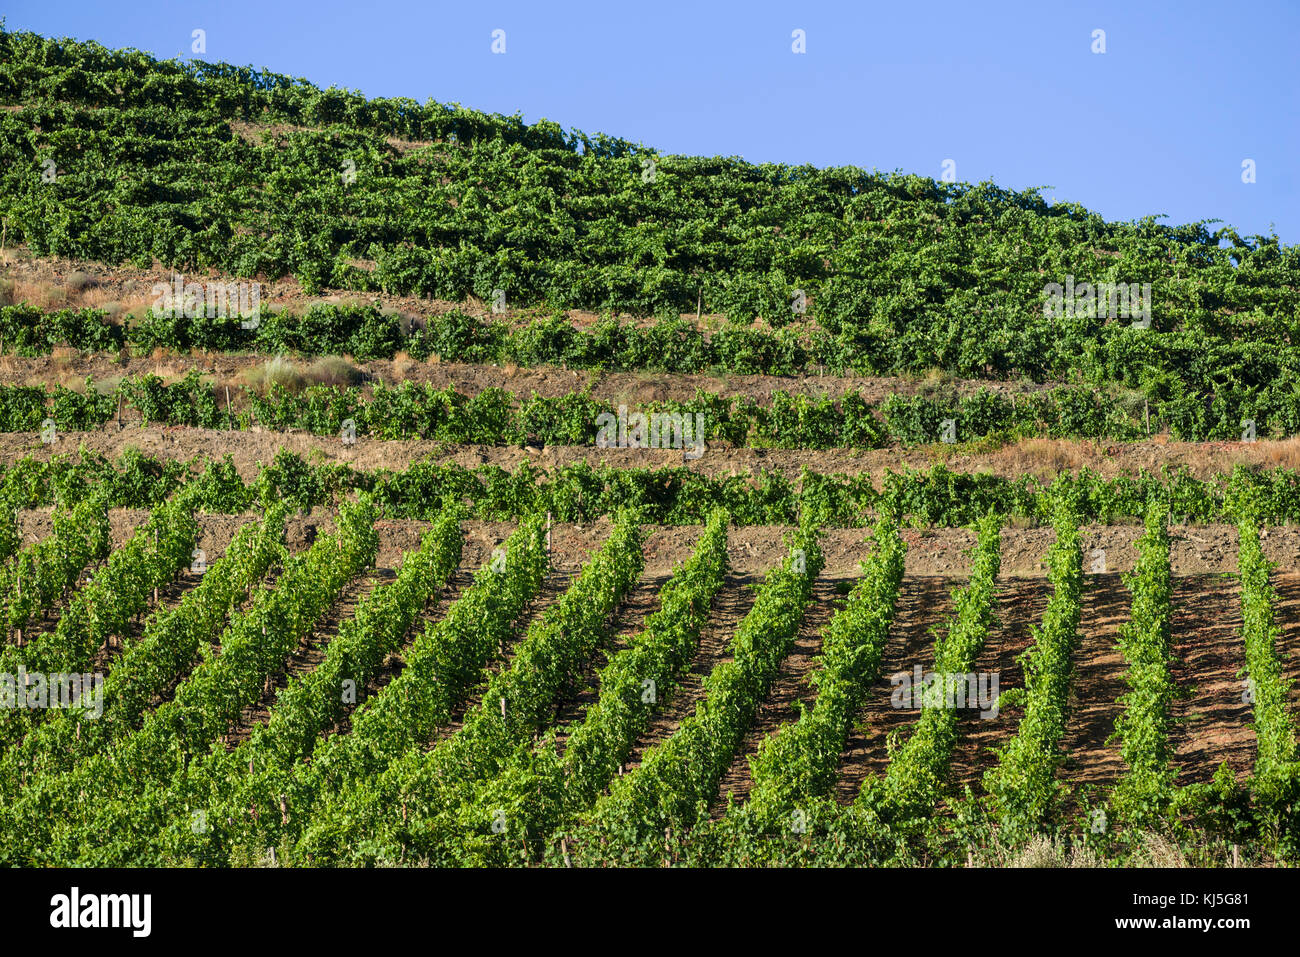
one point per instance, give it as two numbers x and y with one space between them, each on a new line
532 509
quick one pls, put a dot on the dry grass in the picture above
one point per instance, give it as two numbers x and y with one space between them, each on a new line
294 376
52 297
332 370
1283 452
1040 851
278 371
78 281
402 366
114 300
1046 458
935 380
1158 851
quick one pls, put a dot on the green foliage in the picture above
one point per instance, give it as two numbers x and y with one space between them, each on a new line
800 762
900 274
1023 785
406 809
545 789
1276 778
46 572
168 647
676 780
917 774
1144 792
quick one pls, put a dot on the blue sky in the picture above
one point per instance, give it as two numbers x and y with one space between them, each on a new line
1159 124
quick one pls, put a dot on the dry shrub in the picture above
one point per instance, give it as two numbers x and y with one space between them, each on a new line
281 371
278 371
1085 857
1047 457
1158 851
1041 851
402 366
1283 453
53 297
332 370
118 300
79 280
1038 852
935 379
113 311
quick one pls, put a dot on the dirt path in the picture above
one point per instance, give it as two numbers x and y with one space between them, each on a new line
924 605
1097 683
752 549
1020 606
1043 459
631 388
1212 723
732 603
781 706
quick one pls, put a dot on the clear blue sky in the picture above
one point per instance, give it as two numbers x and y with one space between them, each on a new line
1159 123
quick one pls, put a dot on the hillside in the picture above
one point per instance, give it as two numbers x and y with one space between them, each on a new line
430 487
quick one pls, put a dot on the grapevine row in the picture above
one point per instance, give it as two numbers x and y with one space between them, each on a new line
117 593
801 760
580 493
404 808
677 779
41 574
1143 792
1275 733
167 648
546 787
915 779
101 796
1023 785
264 767
497 417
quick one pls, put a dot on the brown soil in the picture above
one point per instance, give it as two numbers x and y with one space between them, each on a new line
1213 721
755 549
732 603
631 388
924 606
1096 683
1020 607
788 692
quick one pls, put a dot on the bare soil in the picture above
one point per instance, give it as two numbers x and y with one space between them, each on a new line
1043 459
788 692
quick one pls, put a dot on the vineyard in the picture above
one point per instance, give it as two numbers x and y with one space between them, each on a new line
525 521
